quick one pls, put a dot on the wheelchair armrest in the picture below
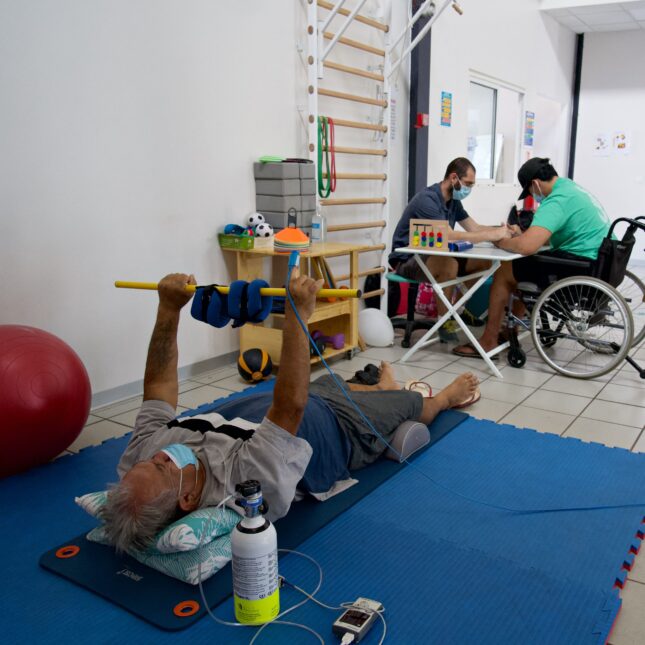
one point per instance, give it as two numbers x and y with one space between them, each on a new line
549 259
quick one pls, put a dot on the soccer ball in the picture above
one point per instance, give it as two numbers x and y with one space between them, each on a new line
263 230
255 219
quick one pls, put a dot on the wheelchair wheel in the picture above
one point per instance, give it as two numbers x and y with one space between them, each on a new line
633 290
591 322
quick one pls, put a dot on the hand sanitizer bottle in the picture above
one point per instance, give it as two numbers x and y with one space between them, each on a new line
318 227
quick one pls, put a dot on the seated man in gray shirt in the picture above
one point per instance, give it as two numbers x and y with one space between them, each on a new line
443 201
289 438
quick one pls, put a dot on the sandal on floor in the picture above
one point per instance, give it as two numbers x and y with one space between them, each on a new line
473 399
474 354
421 387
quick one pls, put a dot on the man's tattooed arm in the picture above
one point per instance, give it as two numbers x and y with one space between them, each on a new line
160 381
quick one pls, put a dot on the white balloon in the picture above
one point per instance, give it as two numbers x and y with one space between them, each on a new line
375 328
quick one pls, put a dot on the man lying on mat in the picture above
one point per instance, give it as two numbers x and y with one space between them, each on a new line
308 436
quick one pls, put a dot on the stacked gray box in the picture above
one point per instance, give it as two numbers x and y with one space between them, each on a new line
280 187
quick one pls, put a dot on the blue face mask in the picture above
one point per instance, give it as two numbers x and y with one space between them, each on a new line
461 193
540 197
182 456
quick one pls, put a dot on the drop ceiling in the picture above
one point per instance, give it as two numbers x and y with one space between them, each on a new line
615 16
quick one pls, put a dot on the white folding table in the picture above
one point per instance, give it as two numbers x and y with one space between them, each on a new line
483 251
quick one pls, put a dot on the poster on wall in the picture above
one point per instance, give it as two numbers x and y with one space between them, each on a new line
602 145
621 142
446 109
529 129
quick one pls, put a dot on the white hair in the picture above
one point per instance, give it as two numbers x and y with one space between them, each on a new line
133 525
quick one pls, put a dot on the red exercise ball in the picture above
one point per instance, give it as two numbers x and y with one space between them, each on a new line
45 397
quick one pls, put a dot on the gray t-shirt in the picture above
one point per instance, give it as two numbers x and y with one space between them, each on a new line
271 455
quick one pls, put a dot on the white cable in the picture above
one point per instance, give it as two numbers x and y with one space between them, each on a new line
379 613
286 611
318 602
348 638
301 626
344 605
276 620
201 587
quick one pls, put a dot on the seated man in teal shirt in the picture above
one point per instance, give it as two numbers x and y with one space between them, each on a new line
569 218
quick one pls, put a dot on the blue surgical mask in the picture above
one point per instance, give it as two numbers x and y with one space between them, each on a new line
181 455
461 193
540 197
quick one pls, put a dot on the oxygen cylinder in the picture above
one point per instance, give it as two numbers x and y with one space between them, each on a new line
254 551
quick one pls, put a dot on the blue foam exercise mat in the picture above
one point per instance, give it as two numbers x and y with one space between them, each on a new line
154 596
446 569
450 571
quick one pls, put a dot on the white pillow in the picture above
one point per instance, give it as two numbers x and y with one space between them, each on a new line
204 524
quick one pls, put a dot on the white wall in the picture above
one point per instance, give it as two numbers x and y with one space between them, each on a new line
127 132
511 42
612 97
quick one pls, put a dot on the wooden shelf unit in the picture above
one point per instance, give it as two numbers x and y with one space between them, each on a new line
331 318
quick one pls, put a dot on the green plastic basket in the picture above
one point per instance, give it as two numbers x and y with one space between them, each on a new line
243 242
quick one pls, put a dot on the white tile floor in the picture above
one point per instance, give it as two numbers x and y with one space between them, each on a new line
608 410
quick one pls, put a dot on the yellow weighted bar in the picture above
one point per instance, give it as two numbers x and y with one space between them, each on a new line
266 291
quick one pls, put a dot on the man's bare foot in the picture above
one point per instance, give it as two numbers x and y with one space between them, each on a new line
386 377
462 389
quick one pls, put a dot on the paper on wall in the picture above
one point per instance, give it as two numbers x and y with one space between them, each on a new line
622 142
602 145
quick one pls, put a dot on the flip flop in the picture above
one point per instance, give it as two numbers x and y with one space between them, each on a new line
421 387
473 399
473 354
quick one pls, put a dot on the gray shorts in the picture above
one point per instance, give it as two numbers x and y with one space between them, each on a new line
386 410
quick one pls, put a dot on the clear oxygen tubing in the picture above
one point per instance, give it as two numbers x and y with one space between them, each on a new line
529 511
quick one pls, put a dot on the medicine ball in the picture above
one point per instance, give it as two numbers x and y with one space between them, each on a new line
254 365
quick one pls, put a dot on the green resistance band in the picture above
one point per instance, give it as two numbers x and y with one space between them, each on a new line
323 142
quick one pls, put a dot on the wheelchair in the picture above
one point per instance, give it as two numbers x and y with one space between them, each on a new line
583 326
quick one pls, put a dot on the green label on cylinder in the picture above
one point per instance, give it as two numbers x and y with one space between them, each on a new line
257 612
